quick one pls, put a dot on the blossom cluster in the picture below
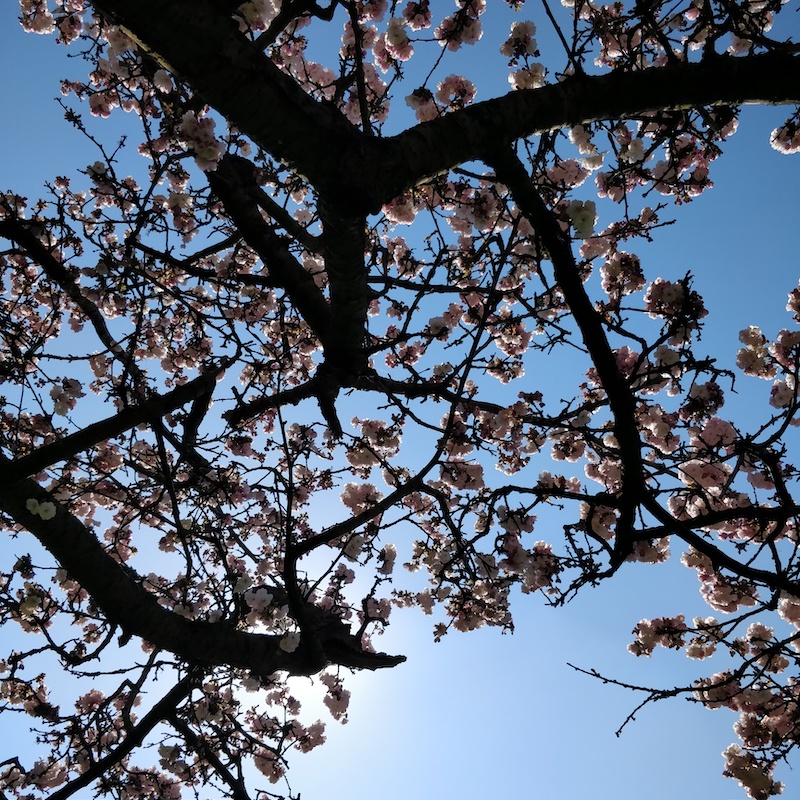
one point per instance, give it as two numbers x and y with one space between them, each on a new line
164 279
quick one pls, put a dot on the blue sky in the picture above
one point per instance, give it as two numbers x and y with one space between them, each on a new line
485 715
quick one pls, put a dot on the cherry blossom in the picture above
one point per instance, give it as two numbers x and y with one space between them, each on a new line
280 416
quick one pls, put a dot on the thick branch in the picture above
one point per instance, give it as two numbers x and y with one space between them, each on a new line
760 514
344 238
231 74
510 171
118 591
258 406
286 221
345 328
235 184
363 172
153 408
777 581
479 131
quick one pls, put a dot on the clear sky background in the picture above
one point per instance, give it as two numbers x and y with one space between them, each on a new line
485 715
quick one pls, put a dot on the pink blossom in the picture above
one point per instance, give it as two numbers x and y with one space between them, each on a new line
754 778
258 599
417 14
786 348
793 305
461 28
337 698
401 211
70 27
90 701
374 9
601 519
532 77
257 14
583 216
754 358
198 134
36 18
397 41
715 433
622 274
267 762
786 139
568 445
455 92
520 42
782 393
102 103
162 81
569 173
705 474
45 775
789 609
462 474
581 137
387 556
718 690
668 632
664 298
649 551
360 496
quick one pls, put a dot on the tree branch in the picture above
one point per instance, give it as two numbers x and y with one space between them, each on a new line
153 408
119 592
345 240
19 231
235 184
293 396
510 171
206 753
231 74
364 172
133 738
480 130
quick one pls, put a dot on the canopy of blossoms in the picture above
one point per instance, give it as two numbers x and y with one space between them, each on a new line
277 365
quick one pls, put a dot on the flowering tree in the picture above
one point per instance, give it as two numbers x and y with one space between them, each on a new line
191 515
